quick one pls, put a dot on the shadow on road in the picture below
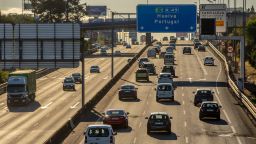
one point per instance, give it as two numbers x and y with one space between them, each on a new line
163 136
119 129
28 108
91 116
169 102
215 122
200 84
130 100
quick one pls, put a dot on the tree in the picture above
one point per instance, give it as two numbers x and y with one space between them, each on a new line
17 18
252 10
56 10
251 40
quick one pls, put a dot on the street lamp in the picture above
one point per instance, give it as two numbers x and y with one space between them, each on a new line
66 9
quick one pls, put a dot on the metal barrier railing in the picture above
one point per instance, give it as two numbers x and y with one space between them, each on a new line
243 98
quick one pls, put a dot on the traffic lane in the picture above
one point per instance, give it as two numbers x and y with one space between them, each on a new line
41 120
122 49
111 101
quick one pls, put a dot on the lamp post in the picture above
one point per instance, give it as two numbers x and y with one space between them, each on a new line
66 9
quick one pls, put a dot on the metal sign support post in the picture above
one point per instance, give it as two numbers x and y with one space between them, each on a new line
83 72
112 46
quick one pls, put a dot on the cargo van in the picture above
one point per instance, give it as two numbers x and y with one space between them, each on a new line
164 91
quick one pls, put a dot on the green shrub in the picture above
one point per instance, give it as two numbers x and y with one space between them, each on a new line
3 76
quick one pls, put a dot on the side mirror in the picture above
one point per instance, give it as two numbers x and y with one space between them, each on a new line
146 117
170 117
220 106
114 133
127 113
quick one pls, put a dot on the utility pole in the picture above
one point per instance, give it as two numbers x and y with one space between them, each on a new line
112 47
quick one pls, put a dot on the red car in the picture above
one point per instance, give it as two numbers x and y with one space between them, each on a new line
116 117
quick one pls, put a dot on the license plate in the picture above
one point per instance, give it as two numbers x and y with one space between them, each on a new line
16 100
209 110
115 118
158 123
204 99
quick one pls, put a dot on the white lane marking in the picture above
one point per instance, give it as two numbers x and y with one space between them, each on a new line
237 138
147 102
140 124
185 124
182 88
134 140
74 106
54 77
186 139
86 77
1 104
61 78
144 112
184 112
105 77
201 64
44 107
229 121
190 80
183 102
202 79
36 124
183 94
43 78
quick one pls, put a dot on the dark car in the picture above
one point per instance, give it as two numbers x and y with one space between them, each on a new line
127 91
159 121
128 46
69 84
161 55
150 67
95 69
209 109
142 74
187 50
116 117
197 44
202 95
77 77
141 60
201 48
173 45
168 69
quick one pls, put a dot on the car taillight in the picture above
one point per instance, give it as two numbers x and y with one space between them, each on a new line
111 139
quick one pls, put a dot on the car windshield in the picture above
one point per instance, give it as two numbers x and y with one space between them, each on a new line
141 71
165 76
158 117
204 92
98 132
164 88
76 75
115 112
14 88
94 67
127 87
68 80
210 105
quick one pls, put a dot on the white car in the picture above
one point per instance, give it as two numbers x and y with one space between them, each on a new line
208 60
99 134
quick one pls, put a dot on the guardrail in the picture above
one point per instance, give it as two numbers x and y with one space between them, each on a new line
68 126
242 97
39 73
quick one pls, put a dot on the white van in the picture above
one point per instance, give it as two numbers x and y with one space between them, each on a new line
99 134
164 91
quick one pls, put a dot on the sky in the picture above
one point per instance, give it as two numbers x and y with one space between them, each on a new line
14 6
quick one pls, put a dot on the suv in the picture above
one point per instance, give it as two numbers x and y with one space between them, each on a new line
141 60
202 95
209 109
142 74
77 77
100 134
209 60
187 50
127 91
69 83
150 67
159 121
168 69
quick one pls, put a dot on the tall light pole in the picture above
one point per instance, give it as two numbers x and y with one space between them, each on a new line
244 23
66 9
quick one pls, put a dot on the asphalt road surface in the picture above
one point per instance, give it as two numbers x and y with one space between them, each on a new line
233 128
36 122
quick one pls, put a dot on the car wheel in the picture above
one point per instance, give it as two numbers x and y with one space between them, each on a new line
218 117
126 125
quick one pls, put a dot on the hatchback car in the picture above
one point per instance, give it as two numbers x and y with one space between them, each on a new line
127 91
141 60
150 67
164 91
209 109
116 117
77 77
201 48
95 69
186 50
202 95
209 60
69 84
142 74
168 69
159 121
99 134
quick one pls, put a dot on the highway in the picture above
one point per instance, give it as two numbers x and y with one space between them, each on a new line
234 127
123 49
35 123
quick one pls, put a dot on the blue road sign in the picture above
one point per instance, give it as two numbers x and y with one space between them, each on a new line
166 18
